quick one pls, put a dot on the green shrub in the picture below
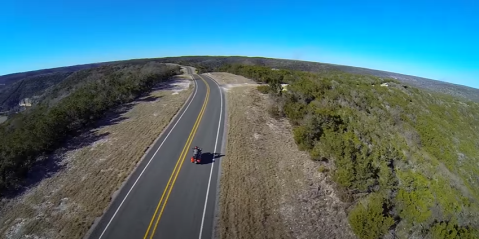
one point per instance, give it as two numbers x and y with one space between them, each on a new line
323 169
448 230
265 89
414 198
295 111
301 137
368 219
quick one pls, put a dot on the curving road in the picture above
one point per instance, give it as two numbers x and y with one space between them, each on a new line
167 196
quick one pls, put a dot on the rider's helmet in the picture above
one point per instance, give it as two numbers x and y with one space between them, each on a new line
196 147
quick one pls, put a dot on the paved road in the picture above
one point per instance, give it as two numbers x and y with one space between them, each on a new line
167 196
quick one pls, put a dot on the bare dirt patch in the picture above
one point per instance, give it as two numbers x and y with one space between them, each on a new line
228 81
180 83
270 189
66 204
228 78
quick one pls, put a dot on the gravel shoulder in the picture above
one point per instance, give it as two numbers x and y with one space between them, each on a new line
268 188
66 204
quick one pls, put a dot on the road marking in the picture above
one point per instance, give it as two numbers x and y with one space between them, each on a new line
175 171
213 163
139 176
185 150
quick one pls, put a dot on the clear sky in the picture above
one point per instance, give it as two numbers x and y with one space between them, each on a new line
433 39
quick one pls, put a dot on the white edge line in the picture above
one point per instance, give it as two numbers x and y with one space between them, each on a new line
139 176
224 140
213 163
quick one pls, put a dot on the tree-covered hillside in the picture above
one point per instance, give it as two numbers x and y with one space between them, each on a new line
33 84
407 160
30 87
210 63
12 78
68 108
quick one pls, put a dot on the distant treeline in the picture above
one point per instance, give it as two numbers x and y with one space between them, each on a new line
74 104
390 148
212 63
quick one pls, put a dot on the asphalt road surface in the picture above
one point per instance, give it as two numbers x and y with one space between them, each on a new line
167 196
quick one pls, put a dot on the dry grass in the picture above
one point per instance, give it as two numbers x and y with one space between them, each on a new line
66 205
224 78
268 188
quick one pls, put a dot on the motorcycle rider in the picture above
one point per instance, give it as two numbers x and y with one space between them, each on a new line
196 151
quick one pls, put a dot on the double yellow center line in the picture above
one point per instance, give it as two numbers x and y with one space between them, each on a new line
176 170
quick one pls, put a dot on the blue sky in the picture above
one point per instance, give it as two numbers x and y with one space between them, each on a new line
434 39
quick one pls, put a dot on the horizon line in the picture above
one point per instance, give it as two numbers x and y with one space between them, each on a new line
279 58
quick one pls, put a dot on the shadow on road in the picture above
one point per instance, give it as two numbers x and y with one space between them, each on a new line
207 157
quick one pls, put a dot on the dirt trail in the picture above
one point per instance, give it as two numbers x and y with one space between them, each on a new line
269 189
66 204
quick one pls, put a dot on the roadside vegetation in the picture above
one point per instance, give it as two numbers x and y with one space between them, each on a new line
406 160
212 63
277 182
70 107
76 183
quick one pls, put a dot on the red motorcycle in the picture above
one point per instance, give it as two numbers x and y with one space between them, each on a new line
196 158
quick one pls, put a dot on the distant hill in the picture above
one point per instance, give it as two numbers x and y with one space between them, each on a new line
12 78
420 82
33 83
28 87
212 62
